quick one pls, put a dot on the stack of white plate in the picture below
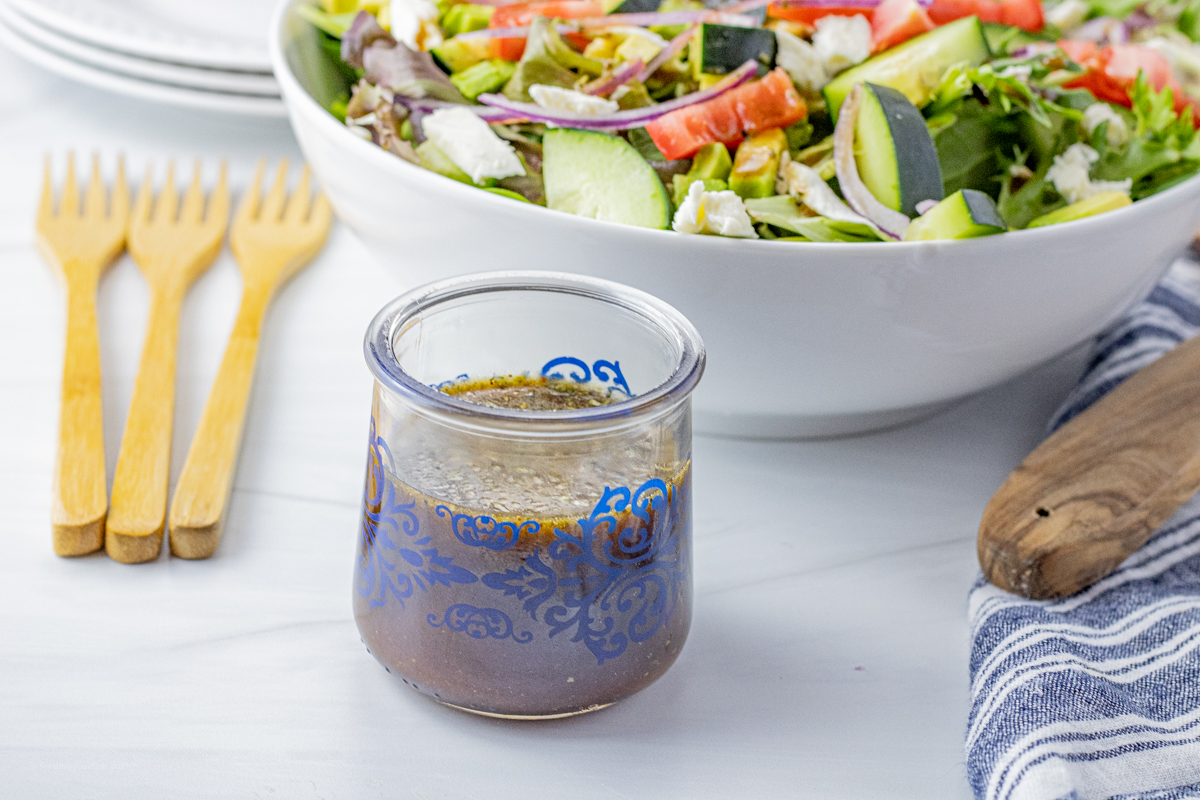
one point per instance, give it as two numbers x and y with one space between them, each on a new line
206 54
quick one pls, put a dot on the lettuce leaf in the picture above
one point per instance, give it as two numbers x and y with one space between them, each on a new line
548 60
783 212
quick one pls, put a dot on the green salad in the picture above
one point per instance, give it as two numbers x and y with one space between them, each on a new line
793 120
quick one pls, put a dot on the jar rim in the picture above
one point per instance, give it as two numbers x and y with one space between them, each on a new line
378 346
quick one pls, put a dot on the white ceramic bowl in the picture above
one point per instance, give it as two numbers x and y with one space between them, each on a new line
803 339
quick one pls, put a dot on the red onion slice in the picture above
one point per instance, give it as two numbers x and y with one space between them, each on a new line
426 105
827 3
621 76
924 206
519 32
670 51
891 223
746 5
642 20
655 18
621 120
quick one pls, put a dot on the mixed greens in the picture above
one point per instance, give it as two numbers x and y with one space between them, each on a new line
793 120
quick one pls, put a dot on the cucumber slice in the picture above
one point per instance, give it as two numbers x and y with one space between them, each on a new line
635 6
915 68
724 48
600 176
1096 204
965 214
894 151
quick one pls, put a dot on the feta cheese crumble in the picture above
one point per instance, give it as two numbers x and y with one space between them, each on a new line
1068 14
406 17
1069 174
1099 113
471 144
842 42
720 213
560 99
801 61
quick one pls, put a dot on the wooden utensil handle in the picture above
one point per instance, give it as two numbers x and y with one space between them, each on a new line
139 497
1096 490
202 493
80 489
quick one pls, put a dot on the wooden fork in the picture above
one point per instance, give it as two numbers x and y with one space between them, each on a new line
171 254
80 248
271 242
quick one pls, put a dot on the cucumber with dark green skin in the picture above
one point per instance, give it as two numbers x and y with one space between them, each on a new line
896 156
724 48
966 214
916 67
637 6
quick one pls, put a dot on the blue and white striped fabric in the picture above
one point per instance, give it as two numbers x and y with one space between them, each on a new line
1098 695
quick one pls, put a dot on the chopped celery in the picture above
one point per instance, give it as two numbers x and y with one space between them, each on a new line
338 107
486 76
334 24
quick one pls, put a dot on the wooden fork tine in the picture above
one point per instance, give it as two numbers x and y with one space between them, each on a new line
218 201
118 206
46 207
141 208
273 205
68 206
168 199
95 198
248 208
193 199
300 200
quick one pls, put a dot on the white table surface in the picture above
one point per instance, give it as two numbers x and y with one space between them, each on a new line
827 659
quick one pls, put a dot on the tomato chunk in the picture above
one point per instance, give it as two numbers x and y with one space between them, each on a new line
897 21
1026 14
1112 72
810 14
768 103
517 14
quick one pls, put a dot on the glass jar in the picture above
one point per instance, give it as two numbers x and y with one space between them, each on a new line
528 564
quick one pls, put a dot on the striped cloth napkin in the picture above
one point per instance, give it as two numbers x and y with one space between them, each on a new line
1097 695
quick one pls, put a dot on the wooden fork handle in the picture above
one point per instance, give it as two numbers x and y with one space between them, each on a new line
139 495
80 490
202 492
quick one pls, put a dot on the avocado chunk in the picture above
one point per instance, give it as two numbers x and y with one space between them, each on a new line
681 183
965 214
466 17
1096 204
711 163
455 55
756 164
486 76
720 49
915 68
895 154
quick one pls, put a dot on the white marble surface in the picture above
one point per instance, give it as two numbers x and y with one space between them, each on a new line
828 657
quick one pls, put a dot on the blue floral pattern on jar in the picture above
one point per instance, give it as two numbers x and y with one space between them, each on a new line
634 572
395 559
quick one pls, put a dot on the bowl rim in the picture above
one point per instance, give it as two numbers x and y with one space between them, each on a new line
383 160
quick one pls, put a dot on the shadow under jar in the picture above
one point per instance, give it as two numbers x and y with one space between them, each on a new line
528 563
